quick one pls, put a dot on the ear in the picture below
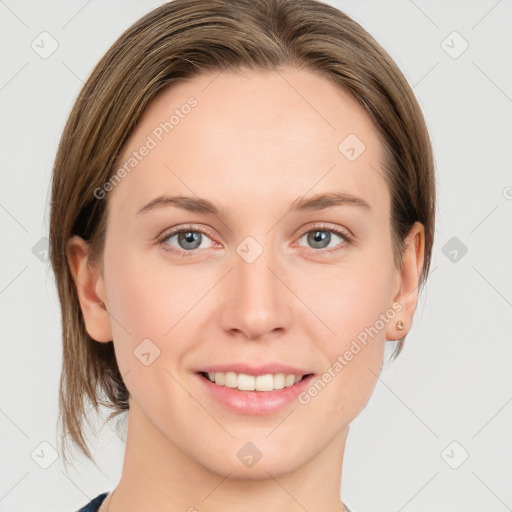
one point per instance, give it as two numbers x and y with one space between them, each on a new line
408 277
90 289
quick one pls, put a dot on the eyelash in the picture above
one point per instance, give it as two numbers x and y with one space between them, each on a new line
348 239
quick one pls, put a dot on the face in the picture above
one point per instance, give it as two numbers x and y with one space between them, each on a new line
251 275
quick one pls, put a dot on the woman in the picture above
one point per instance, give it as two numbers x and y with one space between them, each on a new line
242 216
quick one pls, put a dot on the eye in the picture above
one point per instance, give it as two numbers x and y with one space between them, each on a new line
321 236
188 240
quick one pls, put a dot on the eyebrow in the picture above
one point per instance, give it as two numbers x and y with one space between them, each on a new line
199 205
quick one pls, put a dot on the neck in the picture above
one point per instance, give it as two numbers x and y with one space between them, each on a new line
158 475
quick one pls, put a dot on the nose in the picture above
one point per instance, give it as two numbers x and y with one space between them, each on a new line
257 304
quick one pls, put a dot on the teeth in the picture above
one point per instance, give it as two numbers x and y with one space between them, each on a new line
244 382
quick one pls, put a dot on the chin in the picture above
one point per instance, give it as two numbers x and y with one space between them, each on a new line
246 460
278 467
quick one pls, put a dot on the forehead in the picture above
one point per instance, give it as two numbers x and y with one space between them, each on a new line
251 134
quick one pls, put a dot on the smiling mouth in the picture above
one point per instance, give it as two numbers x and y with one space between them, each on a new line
259 383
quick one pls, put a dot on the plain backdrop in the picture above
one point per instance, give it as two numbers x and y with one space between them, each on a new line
436 434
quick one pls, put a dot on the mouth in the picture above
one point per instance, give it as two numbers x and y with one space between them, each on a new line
255 383
267 391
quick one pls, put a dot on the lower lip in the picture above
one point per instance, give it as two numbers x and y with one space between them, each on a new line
255 402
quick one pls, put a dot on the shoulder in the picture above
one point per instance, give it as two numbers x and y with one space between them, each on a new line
94 504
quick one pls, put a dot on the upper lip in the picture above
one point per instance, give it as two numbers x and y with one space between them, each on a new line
251 369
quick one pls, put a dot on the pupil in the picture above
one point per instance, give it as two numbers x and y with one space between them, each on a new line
191 237
319 236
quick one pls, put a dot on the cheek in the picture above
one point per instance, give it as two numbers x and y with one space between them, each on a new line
148 295
354 307
149 306
349 297
145 303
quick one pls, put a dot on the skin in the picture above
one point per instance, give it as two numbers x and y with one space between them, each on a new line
253 145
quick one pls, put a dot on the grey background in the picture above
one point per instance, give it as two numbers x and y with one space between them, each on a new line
452 382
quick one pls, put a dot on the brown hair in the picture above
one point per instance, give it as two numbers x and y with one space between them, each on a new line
181 39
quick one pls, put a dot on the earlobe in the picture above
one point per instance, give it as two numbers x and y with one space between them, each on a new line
410 273
89 286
